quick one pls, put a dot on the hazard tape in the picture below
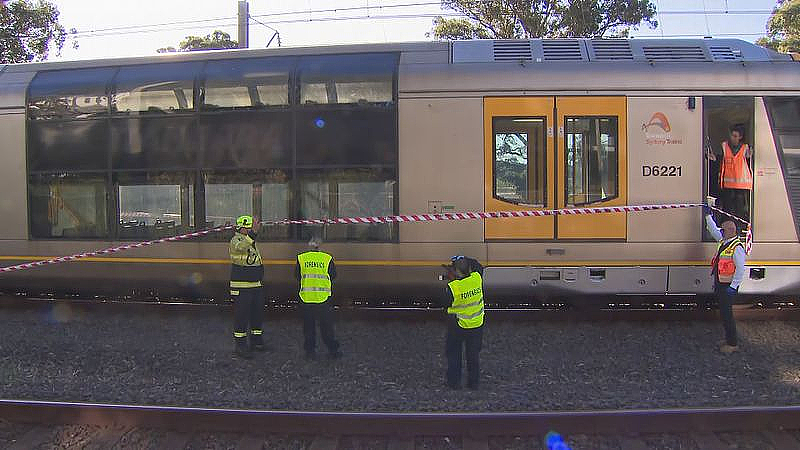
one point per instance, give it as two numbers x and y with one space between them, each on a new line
381 219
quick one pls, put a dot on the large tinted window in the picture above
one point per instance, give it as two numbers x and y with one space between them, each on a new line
68 206
69 94
591 160
154 142
155 88
341 79
520 171
154 204
70 145
784 114
246 139
246 83
347 137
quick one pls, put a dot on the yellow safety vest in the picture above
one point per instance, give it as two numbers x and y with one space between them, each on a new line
247 269
315 283
467 301
724 265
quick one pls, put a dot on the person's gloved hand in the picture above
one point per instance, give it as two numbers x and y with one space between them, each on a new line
731 291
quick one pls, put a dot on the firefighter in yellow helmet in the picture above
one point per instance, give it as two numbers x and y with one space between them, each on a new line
316 270
247 272
464 301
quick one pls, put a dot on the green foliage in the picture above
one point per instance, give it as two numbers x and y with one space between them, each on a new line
526 19
783 28
215 41
29 30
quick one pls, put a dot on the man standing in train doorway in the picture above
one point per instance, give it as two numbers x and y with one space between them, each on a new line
735 176
247 272
464 300
315 270
728 269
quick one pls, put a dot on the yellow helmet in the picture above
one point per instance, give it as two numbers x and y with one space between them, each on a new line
244 222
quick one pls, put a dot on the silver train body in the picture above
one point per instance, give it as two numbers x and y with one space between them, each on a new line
616 122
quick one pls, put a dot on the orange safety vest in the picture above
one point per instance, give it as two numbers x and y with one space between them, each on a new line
734 173
723 264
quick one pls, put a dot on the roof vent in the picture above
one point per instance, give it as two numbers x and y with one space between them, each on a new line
725 53
512 50
562 50
674 53
611 50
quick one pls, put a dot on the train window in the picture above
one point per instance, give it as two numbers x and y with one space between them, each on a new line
153 143
155 88
69 94
349 193
154 204
347 137
68 206
246 139
347 79
591 159
263 194
246 83
784 114
70 145
520 166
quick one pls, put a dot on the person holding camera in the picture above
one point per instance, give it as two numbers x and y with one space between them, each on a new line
464 301
728 269
247 272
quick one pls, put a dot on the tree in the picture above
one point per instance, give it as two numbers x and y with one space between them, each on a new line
29 30
783 27
526 19
215 41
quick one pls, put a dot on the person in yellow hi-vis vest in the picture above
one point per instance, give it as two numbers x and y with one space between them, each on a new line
316 270
247 272
464 297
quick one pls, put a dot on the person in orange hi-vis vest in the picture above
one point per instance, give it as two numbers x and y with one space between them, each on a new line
735 176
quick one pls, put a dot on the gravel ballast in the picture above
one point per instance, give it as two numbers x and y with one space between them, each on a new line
185 359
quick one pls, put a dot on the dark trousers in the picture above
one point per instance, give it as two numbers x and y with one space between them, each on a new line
726 311
457 339
736 202
248 309
321 313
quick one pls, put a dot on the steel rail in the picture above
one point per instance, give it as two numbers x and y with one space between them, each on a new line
379 423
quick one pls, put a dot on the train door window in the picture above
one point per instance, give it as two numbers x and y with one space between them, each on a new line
591 159
155 88
68 206
69 94
520 165
347 79
784 114
720 114
246 83
154 204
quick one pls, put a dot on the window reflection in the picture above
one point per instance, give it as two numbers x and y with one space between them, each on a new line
347 79
246 83
69 94
154 205
591 159
520 172
68 206
156 88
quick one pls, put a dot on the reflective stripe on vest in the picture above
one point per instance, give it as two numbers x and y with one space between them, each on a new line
734 173
315 283
467 301
725 265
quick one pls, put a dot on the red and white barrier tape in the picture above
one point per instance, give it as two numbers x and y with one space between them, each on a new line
380 219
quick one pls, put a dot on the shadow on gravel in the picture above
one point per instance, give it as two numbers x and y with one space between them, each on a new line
185 359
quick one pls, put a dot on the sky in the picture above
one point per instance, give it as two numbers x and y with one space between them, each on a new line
114 28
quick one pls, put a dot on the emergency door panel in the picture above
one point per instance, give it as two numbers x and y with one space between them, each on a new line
592 166
519 151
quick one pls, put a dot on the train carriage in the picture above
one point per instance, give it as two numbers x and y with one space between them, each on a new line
95 153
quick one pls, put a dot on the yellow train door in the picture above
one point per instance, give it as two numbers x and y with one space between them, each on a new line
555 152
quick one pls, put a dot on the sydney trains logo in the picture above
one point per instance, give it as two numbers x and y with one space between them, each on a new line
658 131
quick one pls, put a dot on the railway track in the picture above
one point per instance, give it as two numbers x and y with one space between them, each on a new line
498 314
108 425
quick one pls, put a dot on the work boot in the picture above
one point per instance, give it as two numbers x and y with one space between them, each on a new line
257 343
728 349
242 350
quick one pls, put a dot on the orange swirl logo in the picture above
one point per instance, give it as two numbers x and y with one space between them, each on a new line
659 120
